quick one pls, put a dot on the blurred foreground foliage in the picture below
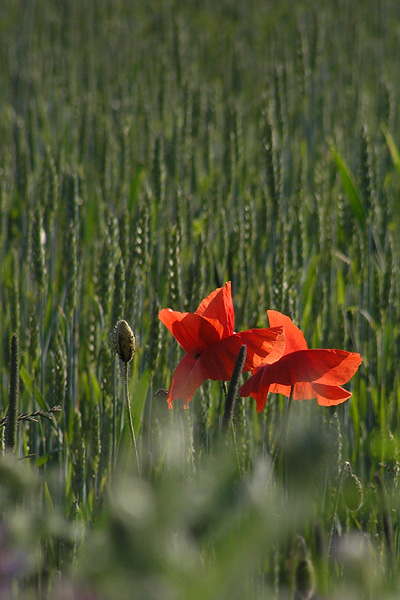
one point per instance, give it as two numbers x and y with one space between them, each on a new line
208 532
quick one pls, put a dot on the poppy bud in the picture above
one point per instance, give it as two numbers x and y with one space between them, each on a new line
124 341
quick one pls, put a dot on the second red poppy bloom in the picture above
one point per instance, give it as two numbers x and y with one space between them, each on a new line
313 373
212 346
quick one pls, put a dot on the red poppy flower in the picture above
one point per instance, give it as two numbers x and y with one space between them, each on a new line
313 373
211 345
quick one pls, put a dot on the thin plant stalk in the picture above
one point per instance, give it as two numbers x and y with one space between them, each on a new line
125 346
281 439
387 524
114 419
149 402
231 396
345 467
12 414
131 425
231 400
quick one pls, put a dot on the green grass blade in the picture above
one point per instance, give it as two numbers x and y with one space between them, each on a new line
350 187
394 151
33 389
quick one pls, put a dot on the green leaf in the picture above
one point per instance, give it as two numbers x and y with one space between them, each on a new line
340 289
350 187
310 278
95 387
138 399
26 379
394 152
33 389
42 460
47 498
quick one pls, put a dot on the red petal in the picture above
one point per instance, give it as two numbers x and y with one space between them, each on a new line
218 305
256 388
294 337
193 332
264 346
327 395
303 367
219 360
330 395
277 388
311 365
186 380
302 390
260 399
343 366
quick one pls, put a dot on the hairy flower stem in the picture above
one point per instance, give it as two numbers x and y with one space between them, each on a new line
12 414
231 400
233 431
231 397
346 466
128 404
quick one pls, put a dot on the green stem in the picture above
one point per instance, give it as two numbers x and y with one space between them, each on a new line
114 423
278 446
387 524
233 431
282 435
131 427
231 400
13 396
346 465
233 390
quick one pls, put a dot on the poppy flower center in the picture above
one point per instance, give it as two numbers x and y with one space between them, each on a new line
197 355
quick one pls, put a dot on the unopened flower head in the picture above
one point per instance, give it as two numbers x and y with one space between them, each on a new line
124 341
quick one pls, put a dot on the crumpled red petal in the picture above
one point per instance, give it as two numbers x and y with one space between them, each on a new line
256 388
219 360
346 365
303 390
264 345
330 395
327 395
314 373
219 305
322 366
295 339
187 378
193 332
